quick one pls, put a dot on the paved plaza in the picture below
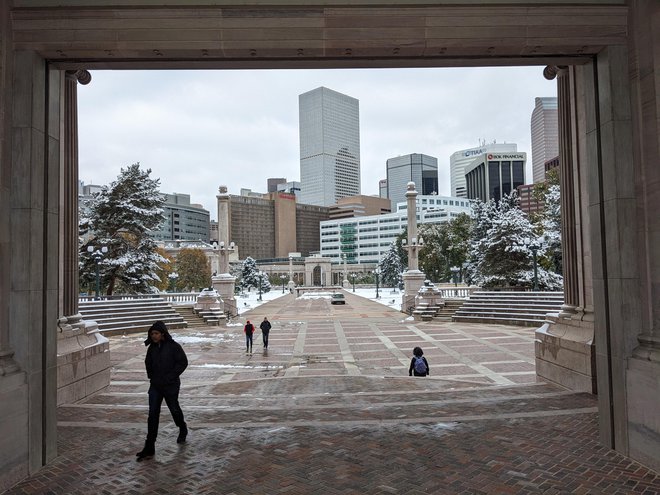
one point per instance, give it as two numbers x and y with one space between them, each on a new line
329 408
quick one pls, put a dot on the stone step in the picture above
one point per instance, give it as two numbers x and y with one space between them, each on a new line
116 317
502 320
291 400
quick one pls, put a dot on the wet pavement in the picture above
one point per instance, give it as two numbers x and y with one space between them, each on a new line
329 408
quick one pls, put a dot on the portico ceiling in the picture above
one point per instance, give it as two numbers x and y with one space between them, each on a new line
265 34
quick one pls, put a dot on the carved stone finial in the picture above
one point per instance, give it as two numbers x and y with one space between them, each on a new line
222 189
411 186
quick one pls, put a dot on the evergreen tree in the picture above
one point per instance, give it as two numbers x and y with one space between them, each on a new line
262 278
122 217
551 225
503 257
391 267
193 268
249 274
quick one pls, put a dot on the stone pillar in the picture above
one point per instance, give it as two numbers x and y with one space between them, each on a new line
70 192
564 344
291 285
224 282
345 283
568 233
83 357
642 390
413 279
14 402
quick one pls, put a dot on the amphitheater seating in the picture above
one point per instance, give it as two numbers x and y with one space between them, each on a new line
122 316
510 308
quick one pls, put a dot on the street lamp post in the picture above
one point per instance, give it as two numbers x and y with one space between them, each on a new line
353 275
377 273
259 286
97 255
454 272
534 248
283 282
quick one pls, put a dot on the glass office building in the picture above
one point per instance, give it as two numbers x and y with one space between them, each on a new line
417 168
493 175
329 146
459 160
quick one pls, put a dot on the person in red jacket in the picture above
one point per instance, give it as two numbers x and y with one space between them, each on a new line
249 331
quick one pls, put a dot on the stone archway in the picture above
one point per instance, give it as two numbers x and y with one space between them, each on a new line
614 83
316 276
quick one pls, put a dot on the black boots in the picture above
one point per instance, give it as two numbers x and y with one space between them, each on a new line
183 433
148 451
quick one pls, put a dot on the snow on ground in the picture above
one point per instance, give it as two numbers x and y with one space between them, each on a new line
387 296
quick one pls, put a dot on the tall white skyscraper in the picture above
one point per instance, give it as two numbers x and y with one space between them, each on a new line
459 160
545 135
329 146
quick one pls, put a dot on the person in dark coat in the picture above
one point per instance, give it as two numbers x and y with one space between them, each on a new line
265 330
249 331
419 366
165 362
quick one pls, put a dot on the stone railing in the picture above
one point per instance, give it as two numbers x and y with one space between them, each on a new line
172 297
457 292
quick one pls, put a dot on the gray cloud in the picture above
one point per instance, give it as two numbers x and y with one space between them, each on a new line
198 129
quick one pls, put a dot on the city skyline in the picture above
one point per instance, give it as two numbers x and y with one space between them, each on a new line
197 130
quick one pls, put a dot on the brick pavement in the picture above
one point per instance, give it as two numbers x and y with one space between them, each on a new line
329 409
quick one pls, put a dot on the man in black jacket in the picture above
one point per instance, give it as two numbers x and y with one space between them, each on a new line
165 362
265 330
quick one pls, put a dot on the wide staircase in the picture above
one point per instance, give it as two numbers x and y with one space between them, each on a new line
192 319
509 308
449 309
123 316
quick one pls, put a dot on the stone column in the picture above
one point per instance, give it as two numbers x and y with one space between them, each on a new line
564 344
224 282
83 360
7 364
345 283
568 234
413 279
642 386
70 194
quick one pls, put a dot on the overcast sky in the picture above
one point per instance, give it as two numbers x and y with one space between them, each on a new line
197 130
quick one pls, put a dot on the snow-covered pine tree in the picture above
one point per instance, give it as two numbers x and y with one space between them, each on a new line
503 258
551 223
391 267
249 274
122 217
265 283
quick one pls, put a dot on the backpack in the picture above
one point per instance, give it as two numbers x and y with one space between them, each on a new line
420 366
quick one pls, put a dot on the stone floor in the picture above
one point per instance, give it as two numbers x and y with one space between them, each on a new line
329 409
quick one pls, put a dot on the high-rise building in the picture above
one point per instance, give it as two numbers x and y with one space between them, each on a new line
329 146
274 182
183 220
545 135
493 175
273 225
382 188
459 160
416 167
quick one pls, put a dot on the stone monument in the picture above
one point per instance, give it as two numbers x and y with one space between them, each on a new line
413 279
